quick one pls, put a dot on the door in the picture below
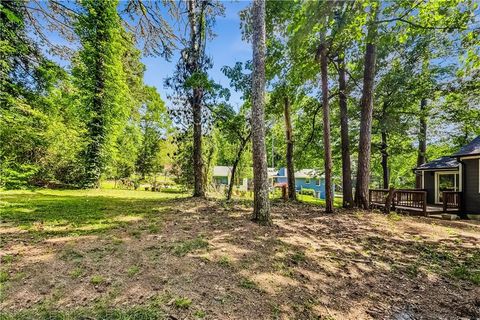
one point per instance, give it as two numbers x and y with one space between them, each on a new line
445 181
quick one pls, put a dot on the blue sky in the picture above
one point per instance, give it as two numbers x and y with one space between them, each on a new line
225 49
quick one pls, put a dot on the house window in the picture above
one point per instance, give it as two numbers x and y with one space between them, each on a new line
307 180
318 181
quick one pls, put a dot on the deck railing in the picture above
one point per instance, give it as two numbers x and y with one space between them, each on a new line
402 199
377 196
451 200
416 199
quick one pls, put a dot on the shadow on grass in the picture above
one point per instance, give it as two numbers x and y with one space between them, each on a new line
64 214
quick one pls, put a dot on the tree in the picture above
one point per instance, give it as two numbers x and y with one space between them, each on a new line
326 127
99 76
345 139
261 206
191 83
154 123
366 105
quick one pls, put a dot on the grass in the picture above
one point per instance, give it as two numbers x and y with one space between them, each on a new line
120 251
187 246
97 280
4 276
133 271
182 303
248 284
337 201
134 313
47 213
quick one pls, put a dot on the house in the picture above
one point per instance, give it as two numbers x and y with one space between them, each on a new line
458 175
305 179
222 176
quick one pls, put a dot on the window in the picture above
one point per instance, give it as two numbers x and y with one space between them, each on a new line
307 180
318 181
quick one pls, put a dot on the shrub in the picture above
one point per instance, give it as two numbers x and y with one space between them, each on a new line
308 192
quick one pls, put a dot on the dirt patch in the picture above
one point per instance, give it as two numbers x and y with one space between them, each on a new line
195 258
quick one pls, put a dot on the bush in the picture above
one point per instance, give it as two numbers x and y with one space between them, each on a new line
17 176
308 192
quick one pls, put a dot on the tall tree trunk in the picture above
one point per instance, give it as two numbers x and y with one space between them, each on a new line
326 129
289 155
384 147
97 126
243 143
261 205
422 141
194 54
346 162
365 141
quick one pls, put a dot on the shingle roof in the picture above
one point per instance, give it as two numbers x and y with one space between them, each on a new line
473 148
440 163
307 173
221 171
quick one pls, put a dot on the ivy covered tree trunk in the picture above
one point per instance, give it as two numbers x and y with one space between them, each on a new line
345 140
289 154
261 205
326 129
422 141
366 105
100 87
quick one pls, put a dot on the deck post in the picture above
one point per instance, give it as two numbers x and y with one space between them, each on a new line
425 203
370 198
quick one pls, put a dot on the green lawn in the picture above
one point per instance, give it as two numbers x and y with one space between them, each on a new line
337 201
75 212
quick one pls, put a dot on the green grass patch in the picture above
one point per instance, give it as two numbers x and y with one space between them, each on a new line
133 271
4 276
224 261
46 213
77 272
298 257
97 279
200 314
337 201
248 284
182 303
135 313
182 248
8 258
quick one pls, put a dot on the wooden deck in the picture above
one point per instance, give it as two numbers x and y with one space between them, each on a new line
431 209
413 201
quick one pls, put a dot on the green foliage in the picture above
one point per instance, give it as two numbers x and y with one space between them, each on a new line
307 192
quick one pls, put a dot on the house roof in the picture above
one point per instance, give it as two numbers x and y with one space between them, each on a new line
307 173
440 163
272 172
471 149
221 171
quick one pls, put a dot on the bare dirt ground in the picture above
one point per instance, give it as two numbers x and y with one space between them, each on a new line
206 259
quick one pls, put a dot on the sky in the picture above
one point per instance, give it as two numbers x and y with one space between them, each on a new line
225 49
